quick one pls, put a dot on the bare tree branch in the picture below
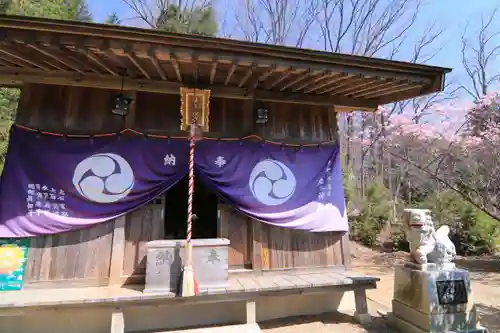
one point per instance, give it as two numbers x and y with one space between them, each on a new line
480 51
281 22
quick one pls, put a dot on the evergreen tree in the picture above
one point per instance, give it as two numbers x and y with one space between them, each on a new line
76 10
200 20
112 19
180 16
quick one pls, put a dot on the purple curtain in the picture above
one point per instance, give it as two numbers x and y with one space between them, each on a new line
51 184
294 188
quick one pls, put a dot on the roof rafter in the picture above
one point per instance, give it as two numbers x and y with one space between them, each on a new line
61 48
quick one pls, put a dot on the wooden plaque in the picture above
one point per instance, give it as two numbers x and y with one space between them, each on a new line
195 108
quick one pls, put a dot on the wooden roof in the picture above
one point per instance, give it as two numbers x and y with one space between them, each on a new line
97 55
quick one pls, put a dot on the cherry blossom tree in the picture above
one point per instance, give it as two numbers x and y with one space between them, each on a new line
460 150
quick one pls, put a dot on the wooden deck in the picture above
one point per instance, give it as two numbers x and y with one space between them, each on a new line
249 298
239 287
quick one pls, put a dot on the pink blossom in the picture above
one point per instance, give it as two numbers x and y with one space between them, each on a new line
383 110
365 142
488 99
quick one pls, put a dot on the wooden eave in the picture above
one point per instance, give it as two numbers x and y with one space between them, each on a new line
96 55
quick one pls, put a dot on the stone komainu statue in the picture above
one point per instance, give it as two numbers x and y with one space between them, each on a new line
426 244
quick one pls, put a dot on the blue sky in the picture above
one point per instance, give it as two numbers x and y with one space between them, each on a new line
450 14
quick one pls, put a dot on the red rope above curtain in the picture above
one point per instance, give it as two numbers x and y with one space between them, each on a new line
157 136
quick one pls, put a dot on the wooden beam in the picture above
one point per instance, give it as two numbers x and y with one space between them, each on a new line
264 76
302 76
49 54
72 55
263 60
230 73
14 75
66 61
95 59
175 65
249 73
4 63
355 87
337 78
352 80
119 63
194 62
18 56
74 30
380 89
294 98
394 90
133 59
56 66
157 65
322 76
14 63
379 85
282 77
416 91
213 71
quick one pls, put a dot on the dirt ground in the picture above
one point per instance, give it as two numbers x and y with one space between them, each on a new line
485 277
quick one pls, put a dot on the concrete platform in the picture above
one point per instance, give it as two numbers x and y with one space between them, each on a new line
248 328
246 300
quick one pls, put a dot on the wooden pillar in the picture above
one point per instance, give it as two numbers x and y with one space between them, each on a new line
256 246
346 251
344 241
130 118
117 252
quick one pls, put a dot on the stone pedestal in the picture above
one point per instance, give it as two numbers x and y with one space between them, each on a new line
165 261
434 300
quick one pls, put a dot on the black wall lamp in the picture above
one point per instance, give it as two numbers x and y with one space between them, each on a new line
262 115
122 103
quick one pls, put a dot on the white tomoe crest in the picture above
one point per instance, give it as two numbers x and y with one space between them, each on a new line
272 182
103 178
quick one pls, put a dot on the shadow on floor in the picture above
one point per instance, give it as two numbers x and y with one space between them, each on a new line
373 269
489 317
485 265
482 270
330 322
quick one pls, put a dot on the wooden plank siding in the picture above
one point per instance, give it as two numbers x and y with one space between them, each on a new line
282 248
80 257
238 229
142 225
85 255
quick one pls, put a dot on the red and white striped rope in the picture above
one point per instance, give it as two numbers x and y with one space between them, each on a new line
192 139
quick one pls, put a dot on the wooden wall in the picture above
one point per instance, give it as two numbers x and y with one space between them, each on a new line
88 110
265 247
79 257
114 251
141 226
